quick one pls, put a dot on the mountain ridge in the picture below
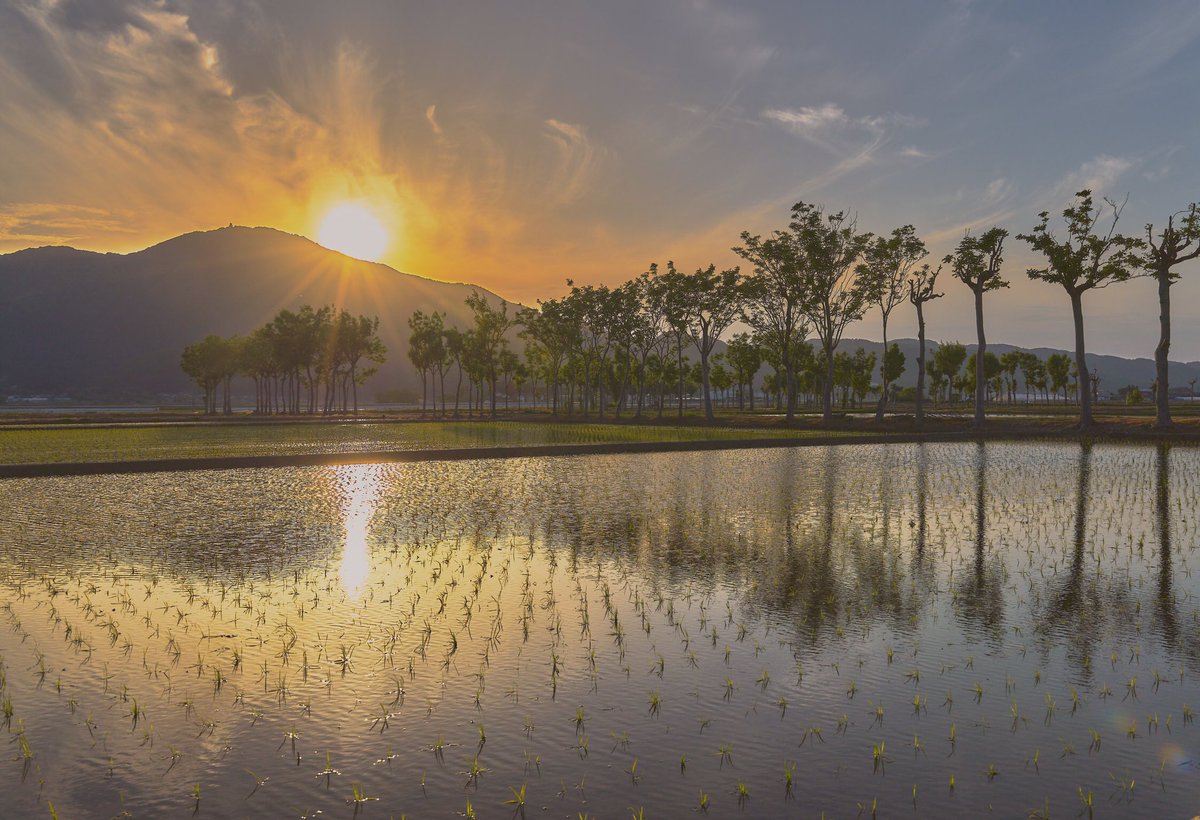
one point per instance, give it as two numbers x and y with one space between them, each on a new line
112 325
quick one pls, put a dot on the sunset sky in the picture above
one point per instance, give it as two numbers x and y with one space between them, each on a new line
513 144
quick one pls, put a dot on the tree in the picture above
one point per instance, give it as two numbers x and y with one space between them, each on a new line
976 263
1177 243
714 300
949 360
1033 371
649 336
1058 369
553 332
774 299
892 367
211 363
1083 261
1009 363
745 356
827 246
674 294
426 349
992 370
921 290
491 324
885 270
358 339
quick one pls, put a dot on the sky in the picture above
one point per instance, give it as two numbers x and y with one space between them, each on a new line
517 144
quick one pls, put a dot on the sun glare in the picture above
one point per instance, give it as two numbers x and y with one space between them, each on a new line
355 231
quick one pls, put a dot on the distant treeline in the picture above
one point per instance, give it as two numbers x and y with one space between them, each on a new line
301 362
449 358
599 347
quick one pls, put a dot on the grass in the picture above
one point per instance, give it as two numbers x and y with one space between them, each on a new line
98 444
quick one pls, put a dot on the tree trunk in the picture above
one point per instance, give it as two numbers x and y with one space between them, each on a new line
883 385
920 366
980 384
679 365
1162 392
789 381
458 390
827 410
708 407
1082 380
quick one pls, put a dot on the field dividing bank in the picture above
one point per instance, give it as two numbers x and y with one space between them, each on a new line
48 469
809 439
91 451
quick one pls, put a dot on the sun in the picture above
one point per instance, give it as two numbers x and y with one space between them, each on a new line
354 230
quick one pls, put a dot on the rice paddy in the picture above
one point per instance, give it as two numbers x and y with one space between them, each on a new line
28 445
854 630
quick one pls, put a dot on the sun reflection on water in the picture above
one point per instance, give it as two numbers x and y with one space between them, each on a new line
358 487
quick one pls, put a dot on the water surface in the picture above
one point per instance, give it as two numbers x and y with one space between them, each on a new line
613 633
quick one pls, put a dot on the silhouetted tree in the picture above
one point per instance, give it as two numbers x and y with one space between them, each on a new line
1058 368
1084 261
775 299
948 361
1178 242
885 270
714 300
745 356
921 290
491 325
827 246
976 263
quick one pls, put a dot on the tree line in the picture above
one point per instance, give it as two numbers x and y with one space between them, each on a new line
602 348
307 361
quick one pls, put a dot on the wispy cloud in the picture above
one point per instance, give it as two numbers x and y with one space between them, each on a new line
579 160
1098 175
39 223
855 141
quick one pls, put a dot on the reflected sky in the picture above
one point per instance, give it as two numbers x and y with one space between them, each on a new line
359 488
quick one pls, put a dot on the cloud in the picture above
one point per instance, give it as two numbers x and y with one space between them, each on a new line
1159 36
40 223
1096 175
809 121
831 128
578 161
855 141
431 117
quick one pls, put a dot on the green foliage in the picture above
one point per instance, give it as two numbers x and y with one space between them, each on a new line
293 353
977 259
893 363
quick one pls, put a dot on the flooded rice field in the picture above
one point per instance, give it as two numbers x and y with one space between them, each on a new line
887 630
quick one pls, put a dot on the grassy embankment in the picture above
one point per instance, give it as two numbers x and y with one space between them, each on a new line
117 437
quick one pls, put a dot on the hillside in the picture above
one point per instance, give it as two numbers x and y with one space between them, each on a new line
113 325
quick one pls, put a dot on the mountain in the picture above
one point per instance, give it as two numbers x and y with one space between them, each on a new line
112 325
1115 372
